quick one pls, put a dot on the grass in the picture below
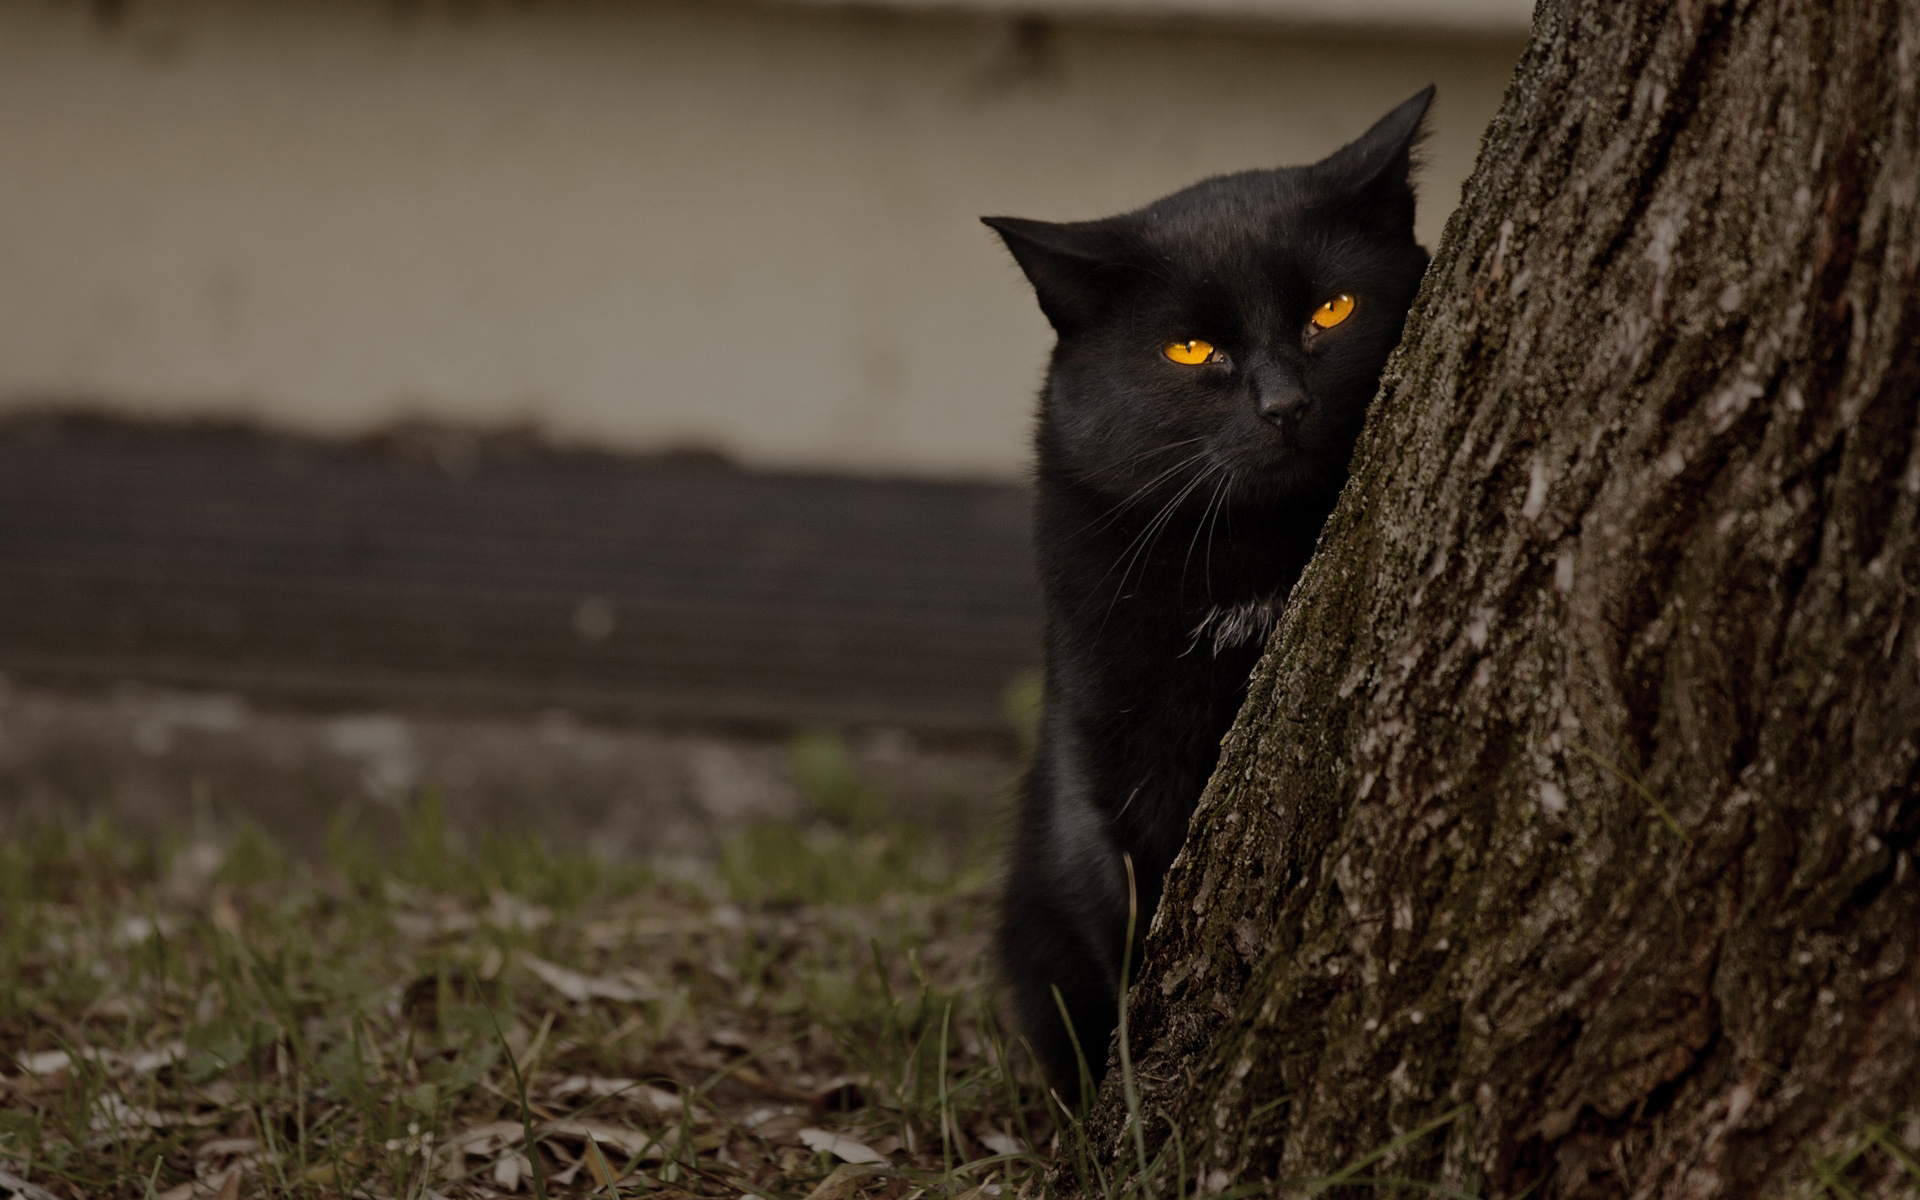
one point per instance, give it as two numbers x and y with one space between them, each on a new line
1876 1162
502 1021
192 1020
808 1021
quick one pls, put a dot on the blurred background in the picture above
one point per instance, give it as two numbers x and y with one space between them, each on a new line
606 418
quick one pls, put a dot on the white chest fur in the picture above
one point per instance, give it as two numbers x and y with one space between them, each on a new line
1235 624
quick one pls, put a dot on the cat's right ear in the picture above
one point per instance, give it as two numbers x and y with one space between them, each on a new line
1371 175
1068 265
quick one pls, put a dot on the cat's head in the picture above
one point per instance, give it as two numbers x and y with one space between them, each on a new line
1237 327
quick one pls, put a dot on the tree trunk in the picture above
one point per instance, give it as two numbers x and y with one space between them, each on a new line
1571 817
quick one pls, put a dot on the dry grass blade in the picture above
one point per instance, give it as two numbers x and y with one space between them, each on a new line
842 1184
845 1149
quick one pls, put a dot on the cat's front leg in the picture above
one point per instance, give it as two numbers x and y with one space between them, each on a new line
1063 920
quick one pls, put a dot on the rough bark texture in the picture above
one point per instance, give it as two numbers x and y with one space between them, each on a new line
1577 795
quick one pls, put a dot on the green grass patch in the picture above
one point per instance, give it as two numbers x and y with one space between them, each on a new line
849 847
173 1019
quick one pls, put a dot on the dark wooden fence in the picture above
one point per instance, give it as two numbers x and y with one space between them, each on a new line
498 574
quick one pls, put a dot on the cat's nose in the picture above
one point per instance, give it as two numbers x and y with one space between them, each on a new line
1278 394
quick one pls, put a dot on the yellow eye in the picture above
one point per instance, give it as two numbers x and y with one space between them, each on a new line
1188 354
1333 312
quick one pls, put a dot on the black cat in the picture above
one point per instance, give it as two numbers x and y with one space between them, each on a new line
1216 353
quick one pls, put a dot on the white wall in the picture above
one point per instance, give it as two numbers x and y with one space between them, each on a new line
635 225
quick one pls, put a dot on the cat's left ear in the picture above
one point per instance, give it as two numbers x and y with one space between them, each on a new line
1372 173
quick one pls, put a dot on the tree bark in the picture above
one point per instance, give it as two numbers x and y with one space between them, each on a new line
1573 809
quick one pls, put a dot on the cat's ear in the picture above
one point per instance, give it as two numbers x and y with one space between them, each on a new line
1371 175
1067 265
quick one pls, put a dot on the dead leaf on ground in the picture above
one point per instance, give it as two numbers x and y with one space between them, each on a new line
843 1093
581 988
601 1088
485 1141
226 1147
509 1171
52 1062
843 1148
113 1115
628 1141
20 1189
996 1141
508 911
749 1077
223 1185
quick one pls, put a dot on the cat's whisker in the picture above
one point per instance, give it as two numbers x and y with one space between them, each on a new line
1165 513
1125 552
1193 541
1226 490
1149 452
1135 496
1144 530
1166 520
1154 528
1188 461
1116 512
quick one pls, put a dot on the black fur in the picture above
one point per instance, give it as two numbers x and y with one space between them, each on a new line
1176 506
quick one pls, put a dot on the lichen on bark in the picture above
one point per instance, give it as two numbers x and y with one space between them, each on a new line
1574 804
